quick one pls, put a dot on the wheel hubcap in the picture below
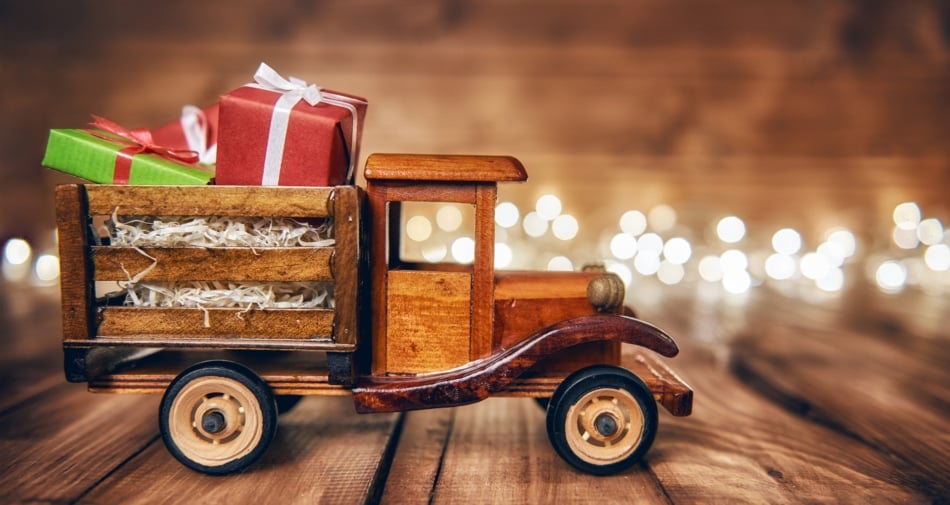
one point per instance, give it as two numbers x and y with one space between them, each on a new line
214 420
604 426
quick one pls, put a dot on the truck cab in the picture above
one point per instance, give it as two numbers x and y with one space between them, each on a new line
430 317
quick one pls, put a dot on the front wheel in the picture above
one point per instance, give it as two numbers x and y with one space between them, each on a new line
217 417
602 419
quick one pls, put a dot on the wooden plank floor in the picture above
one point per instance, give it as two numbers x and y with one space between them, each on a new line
786 113
795 409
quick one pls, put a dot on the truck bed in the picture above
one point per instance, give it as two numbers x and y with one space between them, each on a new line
92 321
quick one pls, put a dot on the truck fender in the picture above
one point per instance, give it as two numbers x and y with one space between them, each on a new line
478 380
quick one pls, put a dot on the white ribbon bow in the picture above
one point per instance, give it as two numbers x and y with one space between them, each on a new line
268 78
292 91
194 124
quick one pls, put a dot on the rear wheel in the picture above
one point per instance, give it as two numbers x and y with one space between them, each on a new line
286 403
218 417
602 419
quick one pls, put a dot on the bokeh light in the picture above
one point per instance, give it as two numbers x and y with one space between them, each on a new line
730 229
434 251
662 217
46 268
448 218
623 271
647 264
564 227
891 276
548 207
507 214
463 250
787 241
534 225
677 250
650 244
670 273
503 255
832 281
930 231
419 228
844 239
710 268
623 246
905 238
780 266
560 264
736 282
814 266
733 260
937 257
633 222
17 251
907 216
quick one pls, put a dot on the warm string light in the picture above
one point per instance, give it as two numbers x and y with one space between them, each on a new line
641 246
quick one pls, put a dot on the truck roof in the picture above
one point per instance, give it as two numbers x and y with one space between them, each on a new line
444 167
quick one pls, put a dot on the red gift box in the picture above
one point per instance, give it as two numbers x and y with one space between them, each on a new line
196 130
287 133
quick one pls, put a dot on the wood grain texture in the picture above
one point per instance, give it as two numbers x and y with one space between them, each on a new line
208 201
440 167
77 294
820 375
511 434
477 380
336 455
347 264
50 441
264 264
429 321
483 269
164 323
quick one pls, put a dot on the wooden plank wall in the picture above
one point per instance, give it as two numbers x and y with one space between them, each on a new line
765 105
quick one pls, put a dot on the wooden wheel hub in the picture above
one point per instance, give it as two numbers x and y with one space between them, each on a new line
605 425
215 420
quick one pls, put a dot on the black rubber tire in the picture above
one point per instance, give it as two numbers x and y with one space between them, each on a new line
228 370
587 380
286 403
543 402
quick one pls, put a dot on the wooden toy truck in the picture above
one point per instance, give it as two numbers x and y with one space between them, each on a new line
401 335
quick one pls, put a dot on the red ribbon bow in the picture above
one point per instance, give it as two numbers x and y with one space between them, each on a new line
139 141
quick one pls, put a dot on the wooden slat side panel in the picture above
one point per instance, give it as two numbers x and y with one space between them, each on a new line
209 201
76 282
346 258
284 264
172 323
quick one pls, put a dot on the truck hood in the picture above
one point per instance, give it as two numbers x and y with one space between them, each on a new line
528 301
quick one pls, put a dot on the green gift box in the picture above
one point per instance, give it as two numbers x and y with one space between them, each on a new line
102 157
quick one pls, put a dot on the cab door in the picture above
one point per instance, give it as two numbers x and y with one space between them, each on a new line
428 316
430 312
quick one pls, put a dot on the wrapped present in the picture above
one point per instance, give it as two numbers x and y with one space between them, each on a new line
111 154
196 130
286 132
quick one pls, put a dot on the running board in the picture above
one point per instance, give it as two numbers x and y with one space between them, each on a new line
480 379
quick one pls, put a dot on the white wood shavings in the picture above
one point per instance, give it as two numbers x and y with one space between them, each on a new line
253 232
246 295
219 231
